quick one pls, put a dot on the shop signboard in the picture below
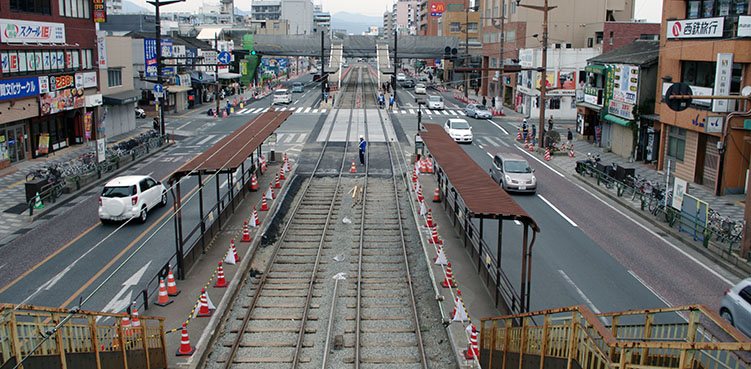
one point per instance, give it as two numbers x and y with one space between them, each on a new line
437 9
101 49
567 80
18 31
695 28
100 11
744 26
19 87
621 109
44 143
89 79
79 80
549 77
62 82
87 119
149 55
723 75
590 95
44 85
167 53
714 124
55 102
625 85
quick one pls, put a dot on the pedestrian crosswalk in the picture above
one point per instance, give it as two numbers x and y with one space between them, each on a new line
428 112
295 109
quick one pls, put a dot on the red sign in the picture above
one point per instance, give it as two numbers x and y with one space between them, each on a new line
61 82
437 7
100 12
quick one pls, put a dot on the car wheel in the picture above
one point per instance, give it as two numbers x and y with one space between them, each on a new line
725 314
104 221
144 215
163 202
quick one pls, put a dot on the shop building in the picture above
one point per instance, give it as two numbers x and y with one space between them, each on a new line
616 99
116 76
48 83
707 46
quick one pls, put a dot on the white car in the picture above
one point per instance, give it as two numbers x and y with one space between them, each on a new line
282 96
401 77
420 88
130 197
435 102
459 130
736 306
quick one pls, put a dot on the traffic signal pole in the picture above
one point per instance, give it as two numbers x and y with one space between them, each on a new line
159 62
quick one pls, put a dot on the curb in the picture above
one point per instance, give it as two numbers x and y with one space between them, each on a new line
739 270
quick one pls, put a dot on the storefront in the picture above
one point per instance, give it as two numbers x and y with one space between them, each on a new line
13 142
120 117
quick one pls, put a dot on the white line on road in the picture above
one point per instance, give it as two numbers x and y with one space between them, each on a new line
580 292
540 161
186 123
557 211
205 140
3 266
666 302
499 126
307 110
301 138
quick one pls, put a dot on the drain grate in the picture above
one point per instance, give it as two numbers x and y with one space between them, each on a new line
17 209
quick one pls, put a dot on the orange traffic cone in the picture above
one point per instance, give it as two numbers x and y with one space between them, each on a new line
264 206
414 176
437 195
276 181
531 146
430 166
419 194
253 183
220 281
234 251
547 154
473 349
281 174
353 169
163 299
185 348
526 143
430 222
229 258
203 306
448 280
126 327
254 221
135 321
246 233
571 153
434 237
271 191
171 285
519 134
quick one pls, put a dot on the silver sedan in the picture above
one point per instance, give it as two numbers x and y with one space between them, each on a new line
478 111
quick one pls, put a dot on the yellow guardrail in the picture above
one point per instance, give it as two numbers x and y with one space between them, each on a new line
686 337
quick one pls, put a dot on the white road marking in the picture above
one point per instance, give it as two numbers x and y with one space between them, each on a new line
205 140
182 126
557 210
489 154
411 111
120 302
499 126
664 301
265 110
307 110
323 111
299 110
315 111
580 292
3 266
301 138
540 161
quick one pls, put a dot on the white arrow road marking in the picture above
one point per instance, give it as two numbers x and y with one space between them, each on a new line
121 301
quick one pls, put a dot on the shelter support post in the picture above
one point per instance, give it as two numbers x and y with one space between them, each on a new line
479 241
218 202
498 259
230 189
200 212
180 240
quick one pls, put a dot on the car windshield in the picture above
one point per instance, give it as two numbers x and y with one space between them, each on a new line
515 166
420 85
480 107
280 92
297 84
119 191
460 125
436 98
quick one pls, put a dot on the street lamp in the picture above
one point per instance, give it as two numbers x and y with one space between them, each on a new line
544 78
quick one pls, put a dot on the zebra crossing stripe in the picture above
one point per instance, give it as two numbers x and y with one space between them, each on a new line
323 111
307 109
403 112
265 110
315 111
299 110
242 112
411 111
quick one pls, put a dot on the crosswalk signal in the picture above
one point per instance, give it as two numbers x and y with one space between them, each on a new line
252 52
200 76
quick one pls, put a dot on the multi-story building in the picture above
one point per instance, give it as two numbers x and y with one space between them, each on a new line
619 34
116 76
299 13
577 24
49 86
321 19
114 6
706 46
388 23
266 9
407 16
459 21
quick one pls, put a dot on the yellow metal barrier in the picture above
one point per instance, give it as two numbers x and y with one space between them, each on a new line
687 337
80 342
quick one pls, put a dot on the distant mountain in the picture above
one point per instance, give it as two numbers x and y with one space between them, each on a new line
355 23
130 7
239 11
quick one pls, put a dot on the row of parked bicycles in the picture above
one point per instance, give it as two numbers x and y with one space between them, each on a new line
57 174
655 198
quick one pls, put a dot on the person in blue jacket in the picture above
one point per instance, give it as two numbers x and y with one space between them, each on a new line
363 143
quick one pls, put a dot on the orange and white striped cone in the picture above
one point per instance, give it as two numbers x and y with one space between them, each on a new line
171 285
547 154
434 237
430 166
220 281
353 169
437 195
234 251
429 222
440 259
264 205
571 153
281 174
531 146
448 280
253 183
526 143
473 349
135 321
163 299
286 164
203 306
185 348
270 195
276 181
126 326
519 134
414 176
254 221
246 233
419 194
229 258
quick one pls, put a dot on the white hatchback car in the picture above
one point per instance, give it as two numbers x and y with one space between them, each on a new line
129 197
459 130
282 96
435 102
420 89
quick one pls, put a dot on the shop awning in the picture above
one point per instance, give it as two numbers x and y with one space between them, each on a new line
229 75
594 68
589 106
617 120
175 89
122 98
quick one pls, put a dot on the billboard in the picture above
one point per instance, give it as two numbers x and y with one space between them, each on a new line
625 83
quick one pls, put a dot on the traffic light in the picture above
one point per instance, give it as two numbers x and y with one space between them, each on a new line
252 52
200 76
453 53
450 52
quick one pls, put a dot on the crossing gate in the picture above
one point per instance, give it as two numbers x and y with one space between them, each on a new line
78 340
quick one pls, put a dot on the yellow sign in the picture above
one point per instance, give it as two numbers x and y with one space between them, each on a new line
44 143
550 79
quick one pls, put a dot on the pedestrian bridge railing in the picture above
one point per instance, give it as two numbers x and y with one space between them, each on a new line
61 338
687 337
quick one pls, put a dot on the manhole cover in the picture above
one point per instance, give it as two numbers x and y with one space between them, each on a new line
17 209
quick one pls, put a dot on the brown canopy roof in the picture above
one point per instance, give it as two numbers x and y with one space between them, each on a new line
232 150
480 193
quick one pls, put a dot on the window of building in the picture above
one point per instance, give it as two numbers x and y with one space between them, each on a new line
74 8
513 7
554 103
676 142
590 42
611 38
511 36
495 12
114 77
31 6
454 27
715 8
87 59
696 73
455 7
472 27
598 37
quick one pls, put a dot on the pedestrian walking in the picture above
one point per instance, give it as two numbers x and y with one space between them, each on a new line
484 101
391 102
550 123
477 91
524 129
569 137
381 100
155 124
229 106
363 144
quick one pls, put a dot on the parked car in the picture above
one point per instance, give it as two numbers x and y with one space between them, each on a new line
478 111
408 83
282 96
513 173
736 306
401 77
297 87
458 129
420 88
129 197
435 102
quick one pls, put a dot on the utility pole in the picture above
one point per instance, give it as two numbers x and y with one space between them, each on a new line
216 74
544 78
499 89
158 36
323 68
396 64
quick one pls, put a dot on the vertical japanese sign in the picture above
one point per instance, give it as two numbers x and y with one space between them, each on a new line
44 143
100 11
87 120
149 55
722 78
167 53
101 49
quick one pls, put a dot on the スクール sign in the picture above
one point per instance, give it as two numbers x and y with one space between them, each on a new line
12 30
19 87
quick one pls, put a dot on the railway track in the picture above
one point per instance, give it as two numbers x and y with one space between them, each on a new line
335 289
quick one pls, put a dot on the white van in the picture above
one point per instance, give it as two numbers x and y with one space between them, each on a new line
282 96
